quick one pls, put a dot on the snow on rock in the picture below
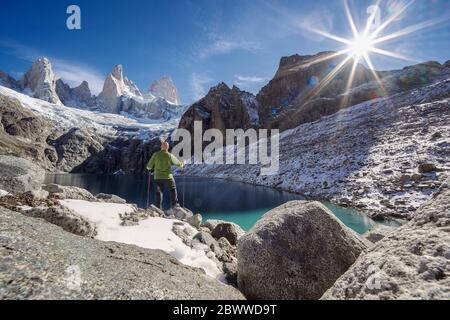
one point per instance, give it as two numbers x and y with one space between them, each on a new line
3 193
151 233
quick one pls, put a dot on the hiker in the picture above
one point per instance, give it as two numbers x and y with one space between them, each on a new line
162 162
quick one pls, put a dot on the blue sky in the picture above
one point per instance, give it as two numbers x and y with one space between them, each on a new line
200 42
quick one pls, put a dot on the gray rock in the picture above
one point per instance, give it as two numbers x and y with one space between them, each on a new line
206 238
377 233
231 272
411 263
19 175
427 167
69 192
65 218
211 223
180 213
195 220
112 198
231 231
41 261
296 251
38 194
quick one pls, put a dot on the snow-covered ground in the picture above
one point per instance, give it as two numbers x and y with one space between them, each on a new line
3 193
102 123
151 233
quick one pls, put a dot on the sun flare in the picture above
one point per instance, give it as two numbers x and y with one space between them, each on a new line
360 47
365 42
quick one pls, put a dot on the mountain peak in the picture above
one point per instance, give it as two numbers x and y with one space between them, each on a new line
41 80
166 89
117 72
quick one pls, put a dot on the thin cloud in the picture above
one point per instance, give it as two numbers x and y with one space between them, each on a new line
223 46
73 73
245 81
199 85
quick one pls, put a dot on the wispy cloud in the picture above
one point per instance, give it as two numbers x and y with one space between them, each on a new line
199 85
244 81
223 46
73 73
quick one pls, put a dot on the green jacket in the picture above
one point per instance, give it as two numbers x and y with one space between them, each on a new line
162 162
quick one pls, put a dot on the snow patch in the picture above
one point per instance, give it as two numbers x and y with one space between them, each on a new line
151 233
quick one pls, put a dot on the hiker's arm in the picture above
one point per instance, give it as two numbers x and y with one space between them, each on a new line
176 162
151 163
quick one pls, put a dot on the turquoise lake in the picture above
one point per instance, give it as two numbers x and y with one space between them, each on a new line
238 202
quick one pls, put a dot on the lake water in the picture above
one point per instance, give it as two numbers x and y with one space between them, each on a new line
238 202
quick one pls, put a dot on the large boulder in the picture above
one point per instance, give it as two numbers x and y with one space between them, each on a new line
295 251
41 261
411 263
19 175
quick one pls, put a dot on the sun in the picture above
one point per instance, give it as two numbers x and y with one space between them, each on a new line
360 46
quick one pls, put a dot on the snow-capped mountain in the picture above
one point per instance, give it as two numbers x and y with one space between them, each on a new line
120 95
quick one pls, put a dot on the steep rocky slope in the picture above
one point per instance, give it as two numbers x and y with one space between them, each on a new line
386 156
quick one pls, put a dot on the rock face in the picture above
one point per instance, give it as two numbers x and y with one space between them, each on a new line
19 175
41 261
78 97
24 134
74 147
41 80
222 108
114 87
411 263
7 81
296 251
166 89
298 78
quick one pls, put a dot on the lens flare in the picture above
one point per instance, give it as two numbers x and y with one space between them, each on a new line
366 42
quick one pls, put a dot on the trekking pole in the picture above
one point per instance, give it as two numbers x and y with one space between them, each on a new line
148 188
184 189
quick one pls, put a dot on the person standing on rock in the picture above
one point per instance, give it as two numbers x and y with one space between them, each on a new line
161 162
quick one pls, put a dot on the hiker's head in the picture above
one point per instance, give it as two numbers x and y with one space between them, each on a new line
164 145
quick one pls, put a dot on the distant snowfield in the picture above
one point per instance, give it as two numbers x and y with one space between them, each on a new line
102 123
151 233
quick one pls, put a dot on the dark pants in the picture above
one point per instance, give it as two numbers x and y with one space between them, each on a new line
162 185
